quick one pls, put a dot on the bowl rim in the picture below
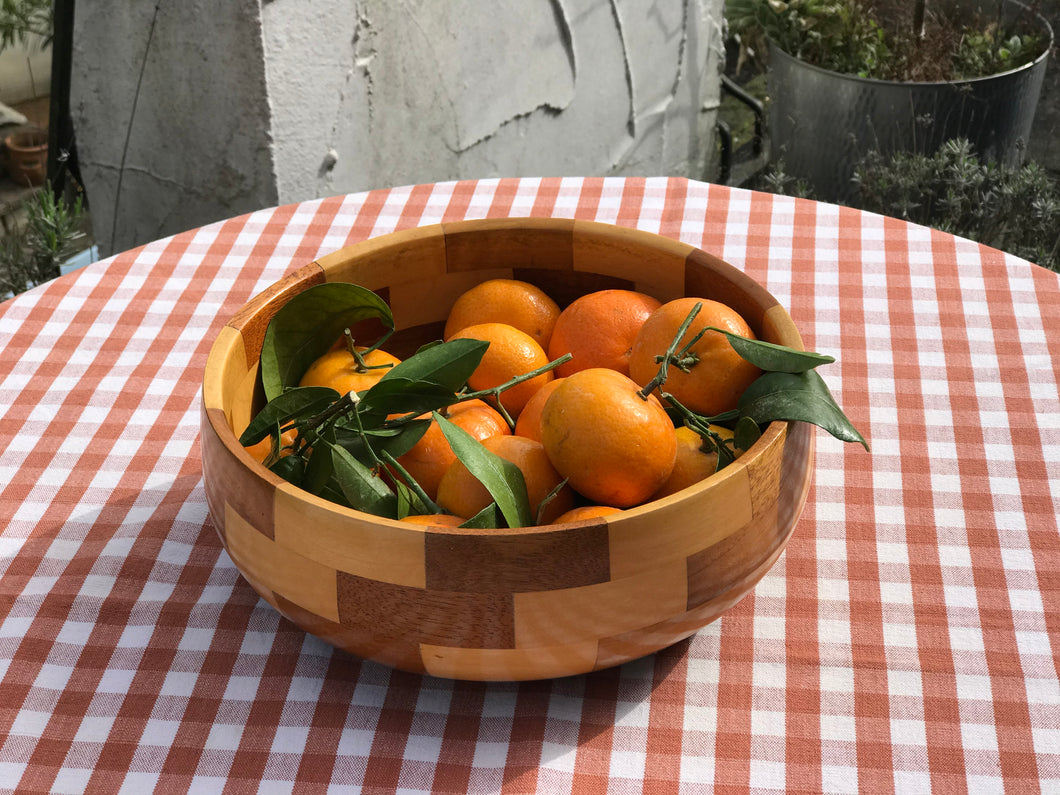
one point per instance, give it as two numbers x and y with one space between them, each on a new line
308 274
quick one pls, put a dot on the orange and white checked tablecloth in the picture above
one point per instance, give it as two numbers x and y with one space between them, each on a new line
907 640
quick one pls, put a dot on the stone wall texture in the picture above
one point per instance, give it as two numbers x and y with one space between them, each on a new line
191 112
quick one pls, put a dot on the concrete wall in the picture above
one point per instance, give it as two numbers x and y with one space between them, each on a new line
228 107
171 115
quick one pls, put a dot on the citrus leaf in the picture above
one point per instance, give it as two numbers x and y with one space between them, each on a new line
486 519
364 490
331 493
746 433
307 326
299 402
319 467
401 396
396 441
797 396
408 502
447 364
291 468
502 478
774 358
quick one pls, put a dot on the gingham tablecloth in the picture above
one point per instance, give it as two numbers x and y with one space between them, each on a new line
907 640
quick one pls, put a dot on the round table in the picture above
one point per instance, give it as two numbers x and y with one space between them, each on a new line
907 640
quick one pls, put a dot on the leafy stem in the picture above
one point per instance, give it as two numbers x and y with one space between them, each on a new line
664 364
359 354
712 440
411 482
495 392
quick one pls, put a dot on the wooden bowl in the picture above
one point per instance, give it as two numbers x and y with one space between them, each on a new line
529 603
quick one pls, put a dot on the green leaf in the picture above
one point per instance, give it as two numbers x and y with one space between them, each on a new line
401 396
501 478
447 364
802 397
774 358
408 502
396 441
365 490
299 402
331 493
487 519
746 433
319 468
291 468
307 326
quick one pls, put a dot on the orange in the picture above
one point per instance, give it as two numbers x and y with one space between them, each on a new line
434 519
718 375
261 450
614 447
598 330
428 459
529 422
585 512
511 353
694 461
339 370
510 301
461 493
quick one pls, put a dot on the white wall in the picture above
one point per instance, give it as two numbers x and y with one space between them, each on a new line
25 72
244 104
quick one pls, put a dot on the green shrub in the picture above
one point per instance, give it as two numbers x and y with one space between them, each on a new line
887 41
48 238
1015 209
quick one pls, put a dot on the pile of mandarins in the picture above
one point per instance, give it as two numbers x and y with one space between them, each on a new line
586 421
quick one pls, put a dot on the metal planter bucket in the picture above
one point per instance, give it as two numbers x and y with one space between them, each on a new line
821 123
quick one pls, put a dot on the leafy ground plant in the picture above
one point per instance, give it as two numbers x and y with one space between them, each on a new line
347 446
48 238
1015 209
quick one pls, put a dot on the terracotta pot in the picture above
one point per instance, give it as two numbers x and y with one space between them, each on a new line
27 156
509 604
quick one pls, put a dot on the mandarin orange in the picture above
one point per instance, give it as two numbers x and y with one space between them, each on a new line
261 450
461 493
598 330
695 460
511 353
434 519
517 303
529 422
428 459
339 370
585 512
717 375
613 446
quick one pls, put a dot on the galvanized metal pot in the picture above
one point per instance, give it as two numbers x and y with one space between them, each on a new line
822 123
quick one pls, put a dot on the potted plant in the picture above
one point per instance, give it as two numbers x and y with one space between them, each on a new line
848 78
35 253
1015 209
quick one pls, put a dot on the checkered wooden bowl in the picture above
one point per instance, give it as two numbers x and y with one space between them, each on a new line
529 603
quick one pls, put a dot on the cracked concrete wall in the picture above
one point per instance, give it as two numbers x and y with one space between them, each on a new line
191 112
171 115
374 93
